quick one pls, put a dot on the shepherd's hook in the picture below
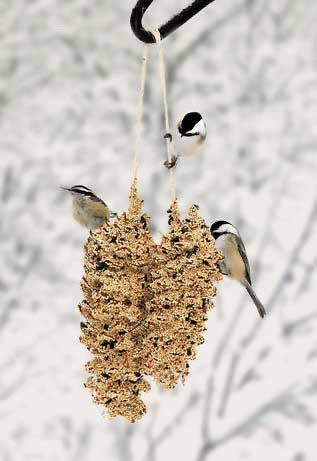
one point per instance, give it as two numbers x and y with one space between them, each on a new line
167 28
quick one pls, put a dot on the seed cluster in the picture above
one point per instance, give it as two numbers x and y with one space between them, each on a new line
145 305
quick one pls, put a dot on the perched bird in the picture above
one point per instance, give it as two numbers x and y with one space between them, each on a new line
192 126
235 263
88 209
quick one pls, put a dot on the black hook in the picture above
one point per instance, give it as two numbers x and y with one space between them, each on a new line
167 28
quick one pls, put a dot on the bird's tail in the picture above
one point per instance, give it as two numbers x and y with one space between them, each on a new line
256 300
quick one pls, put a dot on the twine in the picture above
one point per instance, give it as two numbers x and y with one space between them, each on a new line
169 141
139 124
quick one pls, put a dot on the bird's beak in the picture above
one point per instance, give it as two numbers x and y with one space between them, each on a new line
65 188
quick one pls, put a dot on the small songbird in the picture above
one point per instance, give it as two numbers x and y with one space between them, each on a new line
193 126
235 263
88 209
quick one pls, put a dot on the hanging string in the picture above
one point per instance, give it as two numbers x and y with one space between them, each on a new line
169 140
139 124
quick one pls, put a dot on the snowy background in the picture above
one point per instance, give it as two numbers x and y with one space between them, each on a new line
69 79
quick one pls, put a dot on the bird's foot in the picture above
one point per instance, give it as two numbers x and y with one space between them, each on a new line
222 268
172 163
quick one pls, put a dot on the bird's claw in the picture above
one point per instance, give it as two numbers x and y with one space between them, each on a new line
172 163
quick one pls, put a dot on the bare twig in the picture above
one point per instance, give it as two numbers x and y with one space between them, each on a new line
172 424
228 384
206 433
275 404
292 260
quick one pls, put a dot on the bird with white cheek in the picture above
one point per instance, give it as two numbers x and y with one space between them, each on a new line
192 126
193 132
235 263
88 209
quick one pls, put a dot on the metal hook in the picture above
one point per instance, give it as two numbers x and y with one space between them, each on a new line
167 28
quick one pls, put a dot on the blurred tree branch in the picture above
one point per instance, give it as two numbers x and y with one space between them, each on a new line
276 404
168 429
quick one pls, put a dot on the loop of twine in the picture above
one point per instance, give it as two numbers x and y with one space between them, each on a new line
169 142
139 124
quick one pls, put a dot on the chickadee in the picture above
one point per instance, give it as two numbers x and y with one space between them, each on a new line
193 126
235 263
88 209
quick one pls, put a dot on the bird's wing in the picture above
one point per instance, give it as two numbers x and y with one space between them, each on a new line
243 254
97 199
99 209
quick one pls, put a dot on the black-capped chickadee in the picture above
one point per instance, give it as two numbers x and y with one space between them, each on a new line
88 209
193 126
235 263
